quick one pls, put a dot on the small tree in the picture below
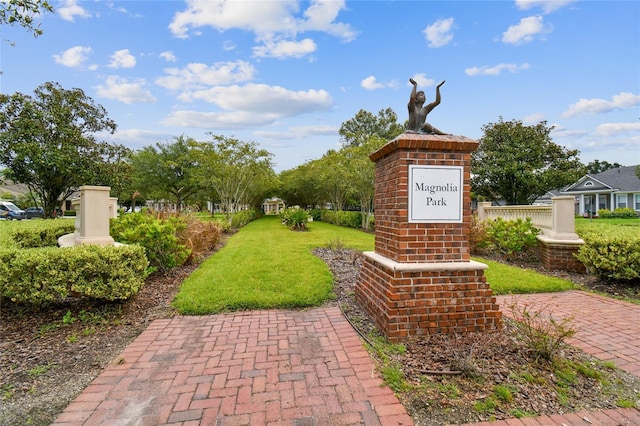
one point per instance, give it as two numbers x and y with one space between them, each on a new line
517 163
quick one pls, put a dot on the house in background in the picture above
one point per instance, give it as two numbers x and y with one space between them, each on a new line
611 189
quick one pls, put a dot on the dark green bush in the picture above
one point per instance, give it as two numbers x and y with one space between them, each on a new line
295 218
50 274
316 214
45 235
510 238
342 218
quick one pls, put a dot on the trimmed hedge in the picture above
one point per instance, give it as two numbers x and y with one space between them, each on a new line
45 235
342 218
49 274
624 213
611 255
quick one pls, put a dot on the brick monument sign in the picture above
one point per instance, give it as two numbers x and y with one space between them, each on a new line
421 279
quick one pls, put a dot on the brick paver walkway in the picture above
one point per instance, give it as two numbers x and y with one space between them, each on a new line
250 368
305 369
608 329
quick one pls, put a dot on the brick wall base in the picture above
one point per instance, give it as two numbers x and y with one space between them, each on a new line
556 255
410 300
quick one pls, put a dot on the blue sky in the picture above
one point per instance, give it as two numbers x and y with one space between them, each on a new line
287 74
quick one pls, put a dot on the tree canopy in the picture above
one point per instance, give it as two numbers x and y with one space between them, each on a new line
167 171
22 12
516 163
357 130
47 142
237 172
597 166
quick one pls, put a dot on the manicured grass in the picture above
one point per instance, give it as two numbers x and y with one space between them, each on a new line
265 265
506 279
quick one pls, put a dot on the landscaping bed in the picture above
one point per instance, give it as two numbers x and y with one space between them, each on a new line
48 356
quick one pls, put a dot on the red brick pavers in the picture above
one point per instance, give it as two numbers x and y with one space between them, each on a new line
607 328
249 368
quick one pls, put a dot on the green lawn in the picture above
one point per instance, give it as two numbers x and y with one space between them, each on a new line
265 265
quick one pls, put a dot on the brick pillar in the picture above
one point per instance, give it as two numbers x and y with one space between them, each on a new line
420 279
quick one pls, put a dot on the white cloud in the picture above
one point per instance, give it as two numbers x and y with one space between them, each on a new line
422 80
125 91
534 118
274 23
613 129
198 76
168 56
439 34
621 101
70 10
370 83
547 6
526 30
285 49
263 100
218 120
297 132
73 57
122 59
496 69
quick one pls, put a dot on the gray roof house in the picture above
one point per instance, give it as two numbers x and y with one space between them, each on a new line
611 189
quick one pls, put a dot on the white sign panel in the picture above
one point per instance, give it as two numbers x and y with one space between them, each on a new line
435 194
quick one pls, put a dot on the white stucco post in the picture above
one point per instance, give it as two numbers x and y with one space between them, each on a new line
92 220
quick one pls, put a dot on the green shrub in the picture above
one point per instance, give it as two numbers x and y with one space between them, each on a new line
50 274
295 218
609 254
241 218
511 238
158 236
316 214
605 213
46 234
342 218
623 213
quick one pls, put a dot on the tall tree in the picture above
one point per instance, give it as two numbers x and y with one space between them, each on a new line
333 173
22 12
238 172
47 142
359 129
362 175
517 163
167 171
597 166
300 186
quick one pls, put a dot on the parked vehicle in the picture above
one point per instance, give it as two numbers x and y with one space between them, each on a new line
34 212
10 211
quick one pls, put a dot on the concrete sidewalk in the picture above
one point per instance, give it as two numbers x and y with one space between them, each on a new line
306 368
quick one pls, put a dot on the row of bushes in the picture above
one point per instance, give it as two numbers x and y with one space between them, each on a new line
342 218
49 274
623 213
34 270
607 254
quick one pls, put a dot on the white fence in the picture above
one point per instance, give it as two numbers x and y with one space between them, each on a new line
556 221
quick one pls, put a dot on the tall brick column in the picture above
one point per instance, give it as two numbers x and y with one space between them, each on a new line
420 279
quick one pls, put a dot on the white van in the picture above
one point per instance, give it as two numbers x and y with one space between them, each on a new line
10 211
